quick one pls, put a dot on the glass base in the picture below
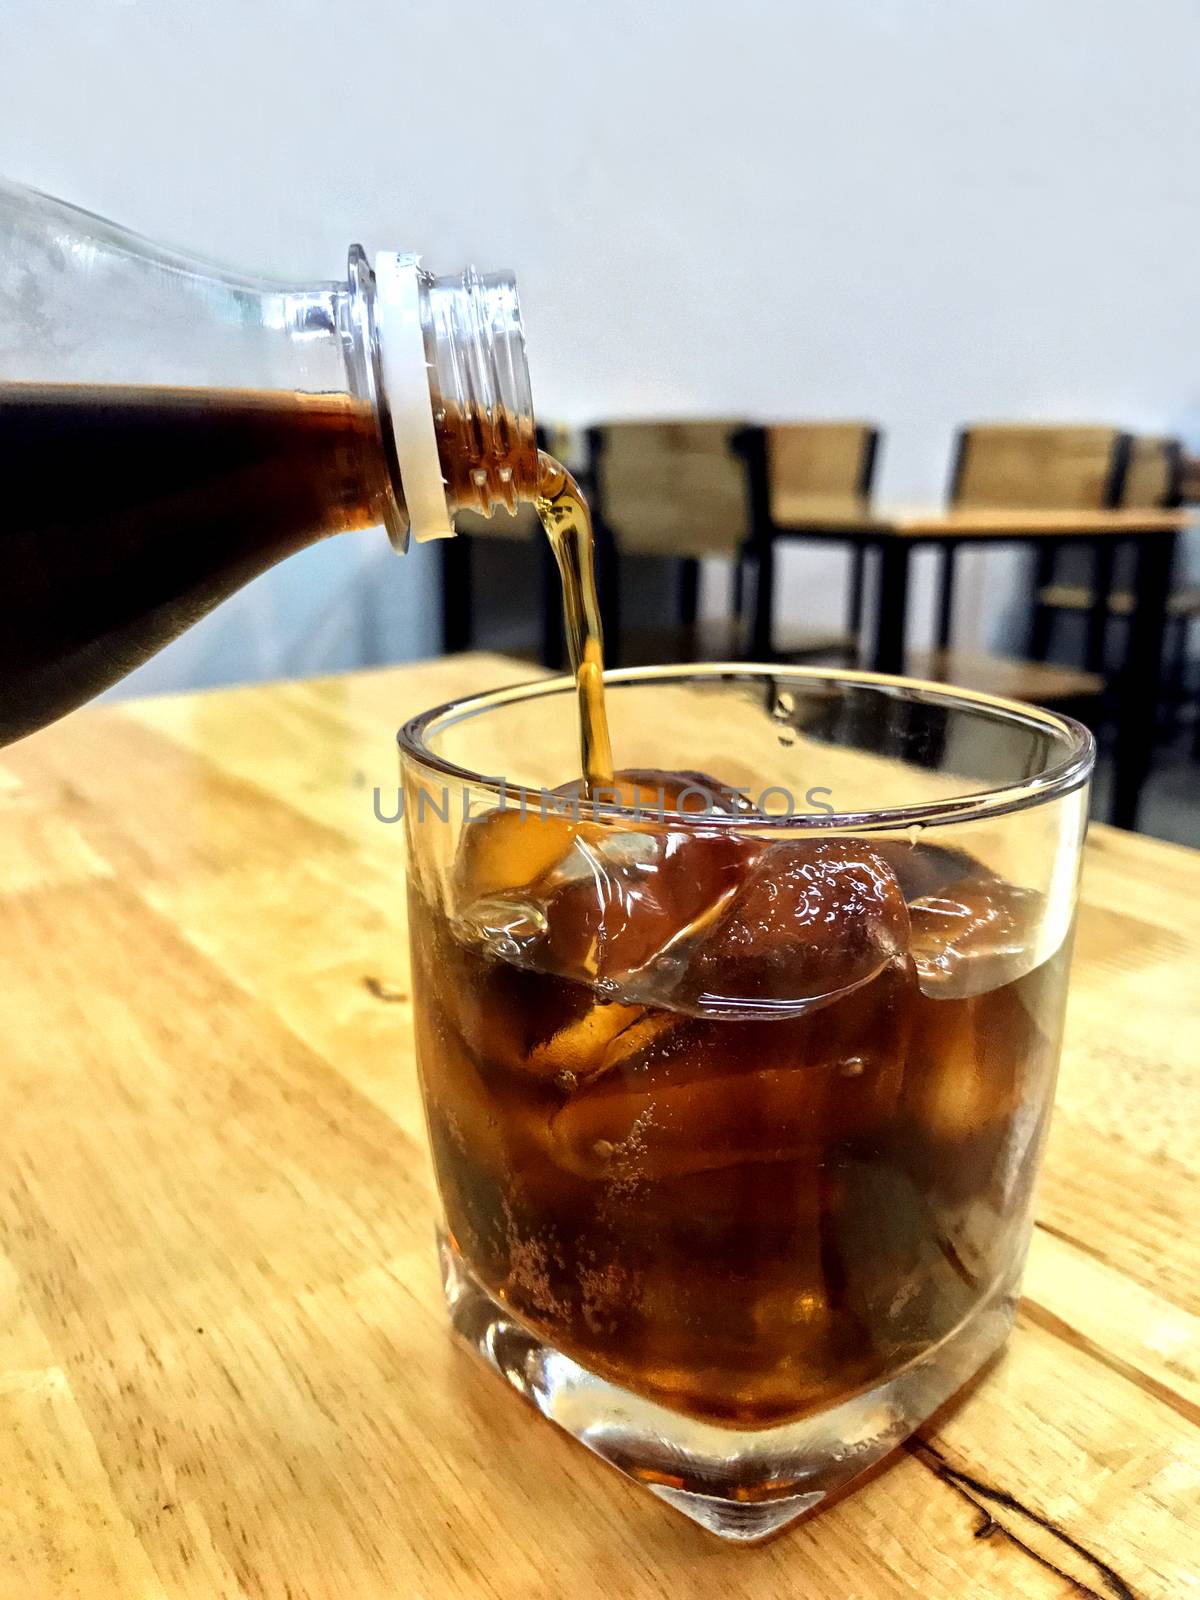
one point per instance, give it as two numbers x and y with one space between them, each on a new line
741 1484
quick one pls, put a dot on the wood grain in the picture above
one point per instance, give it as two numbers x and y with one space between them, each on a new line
224 1369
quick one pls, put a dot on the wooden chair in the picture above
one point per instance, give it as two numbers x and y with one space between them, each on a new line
1154 478
818 470
1025 466
1101 558
1189 479
688 491
1153 475
670 489
1039 466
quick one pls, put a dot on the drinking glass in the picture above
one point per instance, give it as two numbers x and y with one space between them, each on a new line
737 1074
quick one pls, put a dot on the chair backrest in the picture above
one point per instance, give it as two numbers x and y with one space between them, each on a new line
1038 466
1152 474
671 488
820 469
1189 480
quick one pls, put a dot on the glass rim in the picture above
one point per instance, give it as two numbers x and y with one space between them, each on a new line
1059 777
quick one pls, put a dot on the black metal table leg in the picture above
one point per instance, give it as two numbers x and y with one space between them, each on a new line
949 555
739 583
761 648
854 604
1141 679
891 605
751 445
456 594
1103 556
689 590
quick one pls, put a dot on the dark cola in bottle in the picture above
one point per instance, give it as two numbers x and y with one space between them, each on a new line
170 429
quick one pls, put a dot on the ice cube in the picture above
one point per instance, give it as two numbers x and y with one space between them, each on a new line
616 904
581 1048
969 1061
516 1017
814 919
974 934
502 1013
509 849
896 1254
457 1098
633 1041
622 895
858 1045
735 1320
706 1095
597 900
922 868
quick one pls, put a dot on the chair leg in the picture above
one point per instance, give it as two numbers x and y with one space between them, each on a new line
457 625
1096 656
949 556
891 605
761 630
689 591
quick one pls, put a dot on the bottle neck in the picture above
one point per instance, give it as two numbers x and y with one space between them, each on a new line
442 361
479 384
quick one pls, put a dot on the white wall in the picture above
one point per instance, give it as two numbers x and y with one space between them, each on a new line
913 210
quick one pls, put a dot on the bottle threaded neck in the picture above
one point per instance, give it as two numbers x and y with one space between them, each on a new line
442 362
479 388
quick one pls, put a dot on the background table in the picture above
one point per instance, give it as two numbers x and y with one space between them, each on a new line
897 533
224 1367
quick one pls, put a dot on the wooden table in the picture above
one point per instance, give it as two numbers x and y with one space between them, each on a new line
224 1367
895 533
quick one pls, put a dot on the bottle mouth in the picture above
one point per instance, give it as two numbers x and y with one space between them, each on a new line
479 385
448 376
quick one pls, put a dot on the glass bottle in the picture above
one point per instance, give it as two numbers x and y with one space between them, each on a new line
169 429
